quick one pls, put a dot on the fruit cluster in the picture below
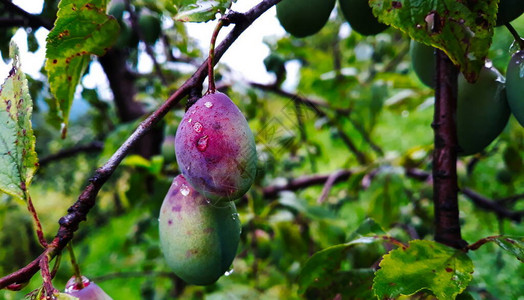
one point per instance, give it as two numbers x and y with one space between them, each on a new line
199 224
483 107
303 18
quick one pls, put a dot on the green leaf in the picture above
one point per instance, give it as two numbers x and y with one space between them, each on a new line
81 29
64 296
423 265
18 161
319 269
465 32
512 244
200 10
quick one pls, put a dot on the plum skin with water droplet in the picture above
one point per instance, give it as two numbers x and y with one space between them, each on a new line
199 239
91 290
217 157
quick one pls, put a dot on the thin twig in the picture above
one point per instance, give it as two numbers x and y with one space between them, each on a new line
488 204
95 146
329 184
516 35
31 20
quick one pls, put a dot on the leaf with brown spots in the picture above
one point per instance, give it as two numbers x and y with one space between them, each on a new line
18 159
462 29
423 265
82 29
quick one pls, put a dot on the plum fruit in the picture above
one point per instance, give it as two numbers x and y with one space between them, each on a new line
509 10
359 15
515 86
303 18
150 26
482 111
90 290
199 239
423 62
215 148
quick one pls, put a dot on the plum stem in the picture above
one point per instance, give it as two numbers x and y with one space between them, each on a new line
515 34
79 283
211 89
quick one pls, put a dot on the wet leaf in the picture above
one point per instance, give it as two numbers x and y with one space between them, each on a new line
18 161
200 10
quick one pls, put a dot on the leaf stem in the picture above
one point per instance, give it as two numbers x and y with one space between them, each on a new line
34 214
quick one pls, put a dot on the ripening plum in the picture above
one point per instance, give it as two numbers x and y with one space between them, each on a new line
215 148
482 111
515 86
360 16
509 10
423 62
89 291
303 18
199 239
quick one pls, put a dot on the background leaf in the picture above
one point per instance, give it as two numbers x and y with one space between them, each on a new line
81 29
200 10
18 161
423 265
465 31
512 244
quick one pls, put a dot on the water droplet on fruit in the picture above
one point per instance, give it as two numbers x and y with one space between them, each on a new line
521 70
202 143
184 190
198 127
227 273
189 121
234 216
208 104
514 47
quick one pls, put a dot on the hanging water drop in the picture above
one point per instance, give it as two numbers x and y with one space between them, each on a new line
184 190
202 143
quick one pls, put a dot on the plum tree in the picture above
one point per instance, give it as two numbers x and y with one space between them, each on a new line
302 18
199 239
515 86
509 10
359 15
423 62
482 111
215 148
89 290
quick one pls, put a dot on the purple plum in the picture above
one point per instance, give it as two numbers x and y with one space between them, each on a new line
199 239
89 291
215 148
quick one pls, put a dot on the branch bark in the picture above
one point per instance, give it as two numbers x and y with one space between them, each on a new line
445 187
79 210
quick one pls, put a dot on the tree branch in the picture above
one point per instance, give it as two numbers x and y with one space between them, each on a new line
488 204
79 210
95 146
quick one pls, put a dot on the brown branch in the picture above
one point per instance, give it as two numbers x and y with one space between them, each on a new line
79 210
304 181
329 184
488 204
445 186
31 20
95 146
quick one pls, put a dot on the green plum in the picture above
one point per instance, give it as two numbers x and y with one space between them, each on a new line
515 86
303 18
150 26
423 62
199 239
482 111
359 15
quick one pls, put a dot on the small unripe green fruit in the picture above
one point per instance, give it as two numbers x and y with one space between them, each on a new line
360 16
515 86
199 239
423 62
150 26
302 18
482 111
89 291
509 10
